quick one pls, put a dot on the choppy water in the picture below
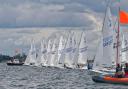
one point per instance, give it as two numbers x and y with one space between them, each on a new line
25 77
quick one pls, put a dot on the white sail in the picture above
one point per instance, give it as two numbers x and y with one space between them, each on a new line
69 51
75 50
61 49
63 43
41 59
82 57
104 55
31 58
108 40
53 60
124 50
99 57
49 49
44 54
27 61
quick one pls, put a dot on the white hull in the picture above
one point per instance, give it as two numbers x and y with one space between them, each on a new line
102 71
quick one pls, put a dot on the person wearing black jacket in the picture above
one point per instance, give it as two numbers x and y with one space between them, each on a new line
119 73
126 69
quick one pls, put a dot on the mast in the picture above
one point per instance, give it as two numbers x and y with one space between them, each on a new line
118 35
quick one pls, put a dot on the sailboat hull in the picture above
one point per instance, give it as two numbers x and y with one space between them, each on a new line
68 67
109 79
15 64
103 71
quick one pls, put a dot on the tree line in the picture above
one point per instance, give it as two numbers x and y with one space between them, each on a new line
19 56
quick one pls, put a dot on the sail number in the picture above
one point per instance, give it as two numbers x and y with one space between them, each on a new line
107 41
83 49
69 49
125 49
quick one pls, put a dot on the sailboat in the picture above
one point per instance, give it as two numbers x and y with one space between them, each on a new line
106 78
49 51
31 58
74 50
44 54
104 56
69 51
41 59
53 59
62 49
82 52
60 55
99 65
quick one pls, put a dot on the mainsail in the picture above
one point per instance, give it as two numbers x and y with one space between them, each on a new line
53 60
41 59
43 53
31 58
61 46
49 49
108 39
124 49
63 52
99 57
82 55
69 51
74 51
104 55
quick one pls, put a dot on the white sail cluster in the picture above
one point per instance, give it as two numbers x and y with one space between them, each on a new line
64 50
68 50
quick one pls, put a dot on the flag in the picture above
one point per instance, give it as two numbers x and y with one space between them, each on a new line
123 17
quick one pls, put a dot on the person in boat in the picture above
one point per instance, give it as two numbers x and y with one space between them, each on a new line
126 70
89 64
12 60
119 73
64 66
78 66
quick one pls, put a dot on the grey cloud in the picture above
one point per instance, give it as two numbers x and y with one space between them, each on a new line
45 13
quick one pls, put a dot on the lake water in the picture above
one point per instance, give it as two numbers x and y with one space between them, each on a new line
28 77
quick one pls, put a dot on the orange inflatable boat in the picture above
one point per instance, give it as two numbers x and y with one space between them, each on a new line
109 79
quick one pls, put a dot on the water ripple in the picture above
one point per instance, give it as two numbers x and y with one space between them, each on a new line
26 77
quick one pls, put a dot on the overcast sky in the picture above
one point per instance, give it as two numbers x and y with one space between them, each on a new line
40 13
20 19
